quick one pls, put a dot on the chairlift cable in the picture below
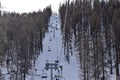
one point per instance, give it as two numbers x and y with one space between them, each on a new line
65 19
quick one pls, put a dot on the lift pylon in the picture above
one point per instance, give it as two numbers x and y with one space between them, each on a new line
52 66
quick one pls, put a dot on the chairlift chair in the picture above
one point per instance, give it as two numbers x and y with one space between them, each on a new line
44 75
56 28
47 65
57 77
50 39
56 61
49 49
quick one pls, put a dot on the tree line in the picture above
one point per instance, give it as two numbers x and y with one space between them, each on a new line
21 37
93 26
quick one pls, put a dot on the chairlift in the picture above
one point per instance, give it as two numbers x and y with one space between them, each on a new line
44 75
56 25
61 67
57 77
50 39
56 61
49 49
56 28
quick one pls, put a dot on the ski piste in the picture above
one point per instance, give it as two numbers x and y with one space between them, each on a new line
53 51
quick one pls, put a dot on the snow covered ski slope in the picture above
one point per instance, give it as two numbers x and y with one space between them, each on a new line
52 50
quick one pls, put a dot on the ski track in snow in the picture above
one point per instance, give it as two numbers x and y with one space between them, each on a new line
70 71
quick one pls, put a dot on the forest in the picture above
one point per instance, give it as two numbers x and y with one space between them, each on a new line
21 38
92 28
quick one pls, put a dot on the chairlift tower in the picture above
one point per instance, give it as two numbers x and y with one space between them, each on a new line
54 28
52 66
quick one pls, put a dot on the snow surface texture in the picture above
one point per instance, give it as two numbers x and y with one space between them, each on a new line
52 50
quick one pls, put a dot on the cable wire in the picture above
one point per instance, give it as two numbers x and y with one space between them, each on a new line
66 13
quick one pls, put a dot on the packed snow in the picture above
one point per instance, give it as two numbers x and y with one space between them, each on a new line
52 50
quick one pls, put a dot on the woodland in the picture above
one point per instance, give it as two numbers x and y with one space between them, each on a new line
21 38
92 28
